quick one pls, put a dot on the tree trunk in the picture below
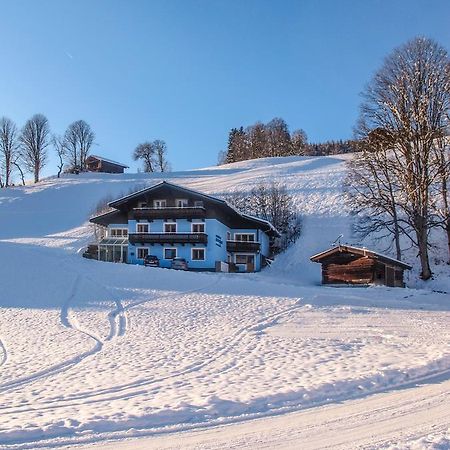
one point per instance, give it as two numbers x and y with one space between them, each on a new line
36 175
398 249
21 173
446 212
422 241
7 170
447 229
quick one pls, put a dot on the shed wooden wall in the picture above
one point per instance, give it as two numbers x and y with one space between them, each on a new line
110 168
347 269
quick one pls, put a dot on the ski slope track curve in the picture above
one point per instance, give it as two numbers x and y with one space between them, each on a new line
385 420
67 322
118 322
137 388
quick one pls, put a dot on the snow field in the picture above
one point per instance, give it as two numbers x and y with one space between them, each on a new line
91 350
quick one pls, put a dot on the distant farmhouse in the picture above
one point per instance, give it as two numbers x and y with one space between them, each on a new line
345 264
99 164
171 221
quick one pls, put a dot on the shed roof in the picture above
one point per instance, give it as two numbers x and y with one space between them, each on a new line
359 251
101 158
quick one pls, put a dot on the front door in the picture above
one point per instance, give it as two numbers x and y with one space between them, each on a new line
248 261
390 276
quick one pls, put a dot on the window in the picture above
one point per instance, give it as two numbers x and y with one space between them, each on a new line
142 228
228 236
142 205
198 203
244 237
198 227
142 252
170 253
118 232
159 203
198 254
182 203
170 228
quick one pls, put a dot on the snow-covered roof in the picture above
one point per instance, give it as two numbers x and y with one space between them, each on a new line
101 158
124 199
360 251
157 185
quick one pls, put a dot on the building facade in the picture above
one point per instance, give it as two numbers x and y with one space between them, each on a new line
171 221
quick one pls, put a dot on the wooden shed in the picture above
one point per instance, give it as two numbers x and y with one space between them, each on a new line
345 264
96 163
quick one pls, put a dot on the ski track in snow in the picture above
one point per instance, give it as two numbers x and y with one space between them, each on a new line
118 322
130 390
67 322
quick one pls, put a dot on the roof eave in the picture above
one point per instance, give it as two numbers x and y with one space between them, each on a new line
363 252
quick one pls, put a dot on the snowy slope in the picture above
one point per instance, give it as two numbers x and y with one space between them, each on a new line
91 350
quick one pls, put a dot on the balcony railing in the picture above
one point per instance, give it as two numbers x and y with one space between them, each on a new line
168 238
170 212
243 246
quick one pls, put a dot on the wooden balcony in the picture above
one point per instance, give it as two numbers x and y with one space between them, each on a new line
168 238
243 246
170 212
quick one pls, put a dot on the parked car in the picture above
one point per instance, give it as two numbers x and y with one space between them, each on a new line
179 264
151 261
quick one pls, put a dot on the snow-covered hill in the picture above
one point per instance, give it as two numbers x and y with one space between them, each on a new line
92 350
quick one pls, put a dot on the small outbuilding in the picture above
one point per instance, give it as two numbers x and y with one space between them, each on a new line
345 264
96 163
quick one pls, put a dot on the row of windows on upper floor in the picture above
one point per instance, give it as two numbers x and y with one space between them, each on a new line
171 227
197 253
163 203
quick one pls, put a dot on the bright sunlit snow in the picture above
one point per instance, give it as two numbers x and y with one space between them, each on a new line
92 350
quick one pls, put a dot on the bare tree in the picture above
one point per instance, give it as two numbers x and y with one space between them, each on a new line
78 140
441 196
409 99
8 149
145 152
372 177
222 157
34 140
60 148
160 149
299 141
272 202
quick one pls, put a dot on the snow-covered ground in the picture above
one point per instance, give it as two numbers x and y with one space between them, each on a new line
92 351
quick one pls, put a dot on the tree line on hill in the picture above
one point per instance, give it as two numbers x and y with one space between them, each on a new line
274 139
26 150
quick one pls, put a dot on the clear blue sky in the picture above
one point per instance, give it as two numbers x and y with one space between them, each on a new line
187 71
